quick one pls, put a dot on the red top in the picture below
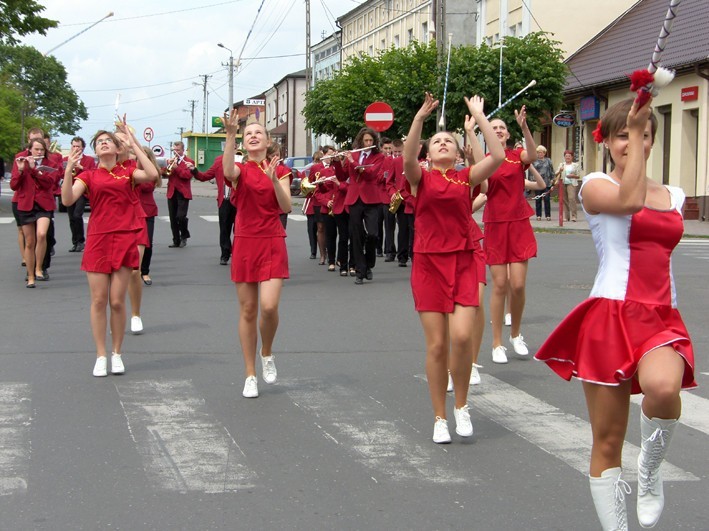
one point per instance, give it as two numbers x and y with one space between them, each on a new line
505 191
33 185
328 190
114 204
444 212
180 179
147 199
396 181
256 202
366 185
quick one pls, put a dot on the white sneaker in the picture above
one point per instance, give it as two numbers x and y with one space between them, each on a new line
475 375
269 369
498 354
519 345
450 382
136 325
441 435
250 387
508 319
117 366
463 426
100 367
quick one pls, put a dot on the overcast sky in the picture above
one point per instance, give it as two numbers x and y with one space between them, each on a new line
153 53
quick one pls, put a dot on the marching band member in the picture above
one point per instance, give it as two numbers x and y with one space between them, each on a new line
179 172
33 180
111 251
328 176
363 200
396 184
315 224
76 211
259 263
387 220
444 279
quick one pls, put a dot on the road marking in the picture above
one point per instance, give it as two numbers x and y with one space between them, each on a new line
560 434
15 444
701 242
297 217
182 447
694 411
163 218
379 443
7 220
211 219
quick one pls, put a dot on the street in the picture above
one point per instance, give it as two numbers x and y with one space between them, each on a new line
342 440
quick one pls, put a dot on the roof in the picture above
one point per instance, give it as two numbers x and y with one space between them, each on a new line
628 42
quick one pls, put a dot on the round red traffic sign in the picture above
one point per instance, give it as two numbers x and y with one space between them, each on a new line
379 116
148 134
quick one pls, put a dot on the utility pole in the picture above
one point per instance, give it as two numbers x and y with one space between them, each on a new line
308 74
231 74
205 106
192 104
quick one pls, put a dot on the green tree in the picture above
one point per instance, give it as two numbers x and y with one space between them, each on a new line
401 76
21 17
45 93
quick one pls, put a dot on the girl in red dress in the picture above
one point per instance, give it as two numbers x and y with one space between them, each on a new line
628 337
259 257
444 277
111 252
509 239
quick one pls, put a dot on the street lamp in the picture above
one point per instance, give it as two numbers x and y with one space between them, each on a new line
231 74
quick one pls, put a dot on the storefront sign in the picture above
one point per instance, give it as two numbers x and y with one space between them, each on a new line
564 119
589 108
690 94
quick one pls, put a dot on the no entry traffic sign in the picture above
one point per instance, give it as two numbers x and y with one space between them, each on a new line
379 116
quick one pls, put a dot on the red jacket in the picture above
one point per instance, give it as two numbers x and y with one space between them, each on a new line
180 179
366 184
34 186
216 171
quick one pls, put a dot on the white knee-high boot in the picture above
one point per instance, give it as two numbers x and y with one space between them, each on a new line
656 435
608 494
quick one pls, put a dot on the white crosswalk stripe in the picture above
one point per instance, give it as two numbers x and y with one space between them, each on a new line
4 221
211 219
15 446
694 411
182 447
380 443
696 248
297 217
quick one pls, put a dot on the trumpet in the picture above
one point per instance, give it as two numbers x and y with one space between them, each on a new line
307 187
395 202
174 162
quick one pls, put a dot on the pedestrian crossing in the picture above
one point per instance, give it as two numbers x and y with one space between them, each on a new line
183 447
695 247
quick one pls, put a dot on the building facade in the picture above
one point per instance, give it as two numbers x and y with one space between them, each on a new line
325 61
284 114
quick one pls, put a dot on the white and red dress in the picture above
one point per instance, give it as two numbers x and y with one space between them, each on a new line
632 308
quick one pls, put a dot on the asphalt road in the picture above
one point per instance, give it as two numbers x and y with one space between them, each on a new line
341 441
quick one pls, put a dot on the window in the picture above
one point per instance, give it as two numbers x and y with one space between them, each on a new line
519 29
497 38
488 41
424 32
371 50
396 41
512 32
384 44
409 36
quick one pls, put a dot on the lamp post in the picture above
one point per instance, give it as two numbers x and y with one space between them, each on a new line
231 74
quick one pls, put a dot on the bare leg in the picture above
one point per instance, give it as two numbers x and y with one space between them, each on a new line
497 301
21 242
460 329
247 293
117 298
518 280
660 375
268 323
29 234
98 288
41 244
608 408
479 324
321 242
135 287
435 330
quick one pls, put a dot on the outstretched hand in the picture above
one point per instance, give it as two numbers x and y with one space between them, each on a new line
271 165
476 105
429 105
521 117
231 122
638 116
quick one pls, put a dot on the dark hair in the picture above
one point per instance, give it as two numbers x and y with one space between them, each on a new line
37 141
116 140
569 152
397 142
357 144
423 150
616 118
79 139
386 140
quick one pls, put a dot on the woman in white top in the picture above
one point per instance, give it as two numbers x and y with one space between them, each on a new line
570 171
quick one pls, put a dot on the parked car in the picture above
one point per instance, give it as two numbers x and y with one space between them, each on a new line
301 168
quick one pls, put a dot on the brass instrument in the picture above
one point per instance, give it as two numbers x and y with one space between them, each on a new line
175 161
395 202
306 187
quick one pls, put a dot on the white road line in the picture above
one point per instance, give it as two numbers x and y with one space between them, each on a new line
211 219
15 445
560 434
697 242
7 220
164 218
182 447
364 425
694 411
297 217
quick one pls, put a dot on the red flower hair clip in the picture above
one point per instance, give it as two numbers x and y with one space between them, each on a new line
597 135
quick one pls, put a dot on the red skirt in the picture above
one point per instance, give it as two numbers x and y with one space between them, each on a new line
507 242
106 253
602 341
439 281
480 261
259 259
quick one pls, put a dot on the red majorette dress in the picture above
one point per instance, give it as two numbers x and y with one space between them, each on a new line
114 222
509 237
259 249
632 308
444 272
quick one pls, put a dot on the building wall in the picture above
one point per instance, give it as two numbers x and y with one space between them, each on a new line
284 118
325 58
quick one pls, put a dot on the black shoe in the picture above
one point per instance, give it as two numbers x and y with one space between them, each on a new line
73 248
389 258
369 275
359 281
80 247
223 261
312 256
173 245
403 264
147 281
51 252
183 243
379 254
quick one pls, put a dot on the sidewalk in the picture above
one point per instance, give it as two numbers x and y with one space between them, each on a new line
692 229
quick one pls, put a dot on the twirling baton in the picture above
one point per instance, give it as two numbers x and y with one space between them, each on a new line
493 113
442 121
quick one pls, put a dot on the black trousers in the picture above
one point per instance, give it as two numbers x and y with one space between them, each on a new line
344 255
364 231
406 234
76 220
177 207
227 215
148 253
330 238
547 203
313 234
389 229
51 242
381 215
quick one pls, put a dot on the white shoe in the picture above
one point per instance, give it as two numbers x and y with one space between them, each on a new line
250 387
100 367
608 493
475 375
269 369
463 426
498 354
117 366
519 345
508 319
136 325
450 382
441 435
